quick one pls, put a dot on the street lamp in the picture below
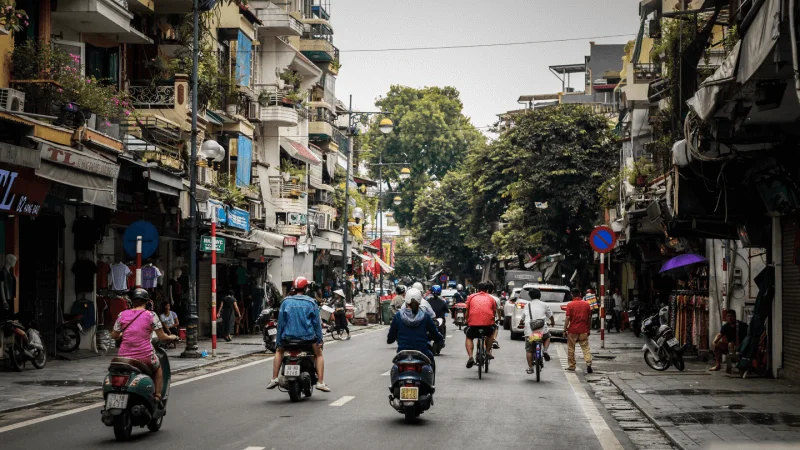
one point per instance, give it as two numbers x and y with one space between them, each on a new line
212 151
397 200
386 126
405 173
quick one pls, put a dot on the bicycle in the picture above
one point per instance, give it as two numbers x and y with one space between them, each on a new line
481 358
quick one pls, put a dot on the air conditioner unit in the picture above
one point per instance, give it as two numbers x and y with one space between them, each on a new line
12 100
254 111
324 221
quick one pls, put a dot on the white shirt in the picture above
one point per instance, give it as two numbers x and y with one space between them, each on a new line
119 277
537 309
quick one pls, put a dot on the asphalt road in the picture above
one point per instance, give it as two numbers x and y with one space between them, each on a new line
232 410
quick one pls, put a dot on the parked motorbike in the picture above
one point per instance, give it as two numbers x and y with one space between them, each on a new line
437 348
612 320
128 392
538 351
635 314
412 388
459 315
18 345
298 373
661 348
269 328
68 335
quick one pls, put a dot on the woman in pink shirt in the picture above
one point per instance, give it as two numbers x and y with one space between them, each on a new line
135 326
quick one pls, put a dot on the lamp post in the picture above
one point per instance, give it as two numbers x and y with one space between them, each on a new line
385 126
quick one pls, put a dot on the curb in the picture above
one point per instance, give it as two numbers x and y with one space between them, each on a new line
175 372
670 431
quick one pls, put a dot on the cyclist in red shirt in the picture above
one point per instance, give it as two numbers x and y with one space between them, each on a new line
481 312
576 327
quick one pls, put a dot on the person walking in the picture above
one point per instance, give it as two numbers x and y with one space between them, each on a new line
576 327
229 311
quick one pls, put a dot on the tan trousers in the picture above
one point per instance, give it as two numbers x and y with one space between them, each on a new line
583 340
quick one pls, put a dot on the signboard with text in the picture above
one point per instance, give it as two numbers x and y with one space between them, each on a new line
205 244
21 191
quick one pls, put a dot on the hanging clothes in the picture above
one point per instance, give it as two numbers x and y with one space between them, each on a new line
119 277
103 272
150 276
84 271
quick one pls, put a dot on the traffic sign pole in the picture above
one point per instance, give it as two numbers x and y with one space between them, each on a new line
602 300
213 281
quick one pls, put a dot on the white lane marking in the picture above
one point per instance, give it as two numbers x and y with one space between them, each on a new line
255 448
387 373
70 412
601 429
449 336
342 400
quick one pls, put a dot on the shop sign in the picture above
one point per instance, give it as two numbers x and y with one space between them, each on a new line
289 241
222 216
239 218
21 191
77 160
302 248
20 156
205 244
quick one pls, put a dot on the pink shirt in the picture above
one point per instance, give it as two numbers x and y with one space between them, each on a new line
136 337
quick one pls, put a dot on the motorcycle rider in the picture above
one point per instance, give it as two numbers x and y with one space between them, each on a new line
460 296
411 327
399 300
439 305
423 304
537 310
135 327
298 319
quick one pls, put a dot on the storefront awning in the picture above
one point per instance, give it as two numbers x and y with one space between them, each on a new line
705 101
164 182
365 257
299 151
271 243
321 244
385 267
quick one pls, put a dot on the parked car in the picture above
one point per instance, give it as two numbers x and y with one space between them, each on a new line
508 308
448 295
556 298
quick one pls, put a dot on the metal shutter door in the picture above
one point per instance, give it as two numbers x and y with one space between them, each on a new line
791 302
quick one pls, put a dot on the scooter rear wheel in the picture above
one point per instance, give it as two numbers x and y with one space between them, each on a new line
41 359
677 361
654 363
294 391
155 424
17 357
411 414
123 426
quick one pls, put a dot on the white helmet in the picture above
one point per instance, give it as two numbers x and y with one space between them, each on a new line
413 294
460 287
418 286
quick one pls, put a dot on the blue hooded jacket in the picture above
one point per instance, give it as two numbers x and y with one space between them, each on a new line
299 319
411 331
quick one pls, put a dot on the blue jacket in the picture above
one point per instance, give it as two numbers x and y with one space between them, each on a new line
298 319
411 332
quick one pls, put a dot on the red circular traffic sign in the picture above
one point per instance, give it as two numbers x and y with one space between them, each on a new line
602 239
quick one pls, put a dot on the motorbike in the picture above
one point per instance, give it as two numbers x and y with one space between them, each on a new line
436 347
635 313
661 348
459 315
538 351
350 313
269 328
298 373
128 394
68 334
612 320
412 388
19 345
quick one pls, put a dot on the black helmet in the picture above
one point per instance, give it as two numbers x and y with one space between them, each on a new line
400 289
139 294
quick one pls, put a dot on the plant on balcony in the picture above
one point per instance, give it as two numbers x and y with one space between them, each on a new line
11 18
334 66
296 173
228 192
640 173
295 98
608 192
291 78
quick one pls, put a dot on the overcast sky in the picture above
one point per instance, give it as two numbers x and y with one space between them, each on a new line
490 79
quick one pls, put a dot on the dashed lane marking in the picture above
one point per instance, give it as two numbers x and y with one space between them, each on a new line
342 400
255 448
601 429
387 373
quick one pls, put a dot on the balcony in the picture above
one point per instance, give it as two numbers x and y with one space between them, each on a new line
288 196
100 17
318 49
646 72
291 230
152 96
320 125
340 140
276 110
277 22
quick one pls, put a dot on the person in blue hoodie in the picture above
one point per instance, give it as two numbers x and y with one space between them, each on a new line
411 327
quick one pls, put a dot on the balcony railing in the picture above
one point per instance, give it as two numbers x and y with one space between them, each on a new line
646 72
284 189
272 95
152 96
339 139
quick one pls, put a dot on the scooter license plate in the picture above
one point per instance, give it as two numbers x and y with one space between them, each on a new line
608 316
117 401
673 342
291 371
409 394
460 316
631 317
272 331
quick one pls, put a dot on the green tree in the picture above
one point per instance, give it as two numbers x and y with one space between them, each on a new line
410 262
556 156
438 224
431 133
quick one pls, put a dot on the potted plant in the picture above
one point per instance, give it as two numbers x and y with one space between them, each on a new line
11 18
294 98
641 172
263 97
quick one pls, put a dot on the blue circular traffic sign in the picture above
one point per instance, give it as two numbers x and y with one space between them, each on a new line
602 239
149 236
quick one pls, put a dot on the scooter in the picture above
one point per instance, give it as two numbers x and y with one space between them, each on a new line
661 348
612 320
635 313
436 347
459 313
269 328
128 392
18 345
68 335
298 373
350 313
412 388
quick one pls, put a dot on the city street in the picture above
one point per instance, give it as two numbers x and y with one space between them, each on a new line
232 410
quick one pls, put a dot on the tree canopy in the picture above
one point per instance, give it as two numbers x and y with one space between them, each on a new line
410 262
430 133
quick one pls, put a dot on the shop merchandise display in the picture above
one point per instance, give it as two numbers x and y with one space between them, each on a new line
84 270
119 277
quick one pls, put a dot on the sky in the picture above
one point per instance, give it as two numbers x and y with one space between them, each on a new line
490 79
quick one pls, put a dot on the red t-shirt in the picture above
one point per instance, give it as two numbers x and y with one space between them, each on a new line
580 316
481 310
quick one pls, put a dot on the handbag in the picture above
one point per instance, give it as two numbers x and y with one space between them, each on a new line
118 342
535 323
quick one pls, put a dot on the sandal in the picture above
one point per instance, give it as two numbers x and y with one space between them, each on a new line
530 370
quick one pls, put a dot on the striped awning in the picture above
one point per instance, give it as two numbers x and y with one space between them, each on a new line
299 151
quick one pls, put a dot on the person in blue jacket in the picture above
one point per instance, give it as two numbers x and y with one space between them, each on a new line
298 319
411 327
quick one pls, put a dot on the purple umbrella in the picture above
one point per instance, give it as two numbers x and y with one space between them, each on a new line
681 261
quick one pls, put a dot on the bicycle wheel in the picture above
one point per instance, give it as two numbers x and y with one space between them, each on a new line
538 370
480 360
336 334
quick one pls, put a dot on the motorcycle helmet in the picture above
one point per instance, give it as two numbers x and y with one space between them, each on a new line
400 289
460 287
418 286
436 290
413 294
140 295
300 284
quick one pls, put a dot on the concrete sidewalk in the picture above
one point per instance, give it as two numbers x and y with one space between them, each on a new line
698 409
64 379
